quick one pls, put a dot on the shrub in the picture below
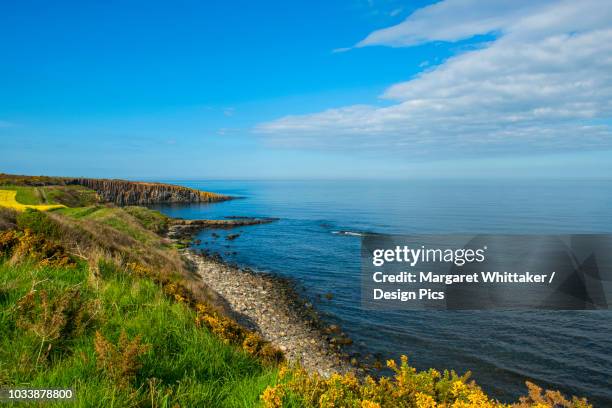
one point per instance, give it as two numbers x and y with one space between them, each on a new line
8 241
30 246
39 223
54 319
119 362
539 398
8 218
225 328
232 333
37 247
407 388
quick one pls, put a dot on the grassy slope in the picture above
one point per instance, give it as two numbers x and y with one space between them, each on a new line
185 365
192 367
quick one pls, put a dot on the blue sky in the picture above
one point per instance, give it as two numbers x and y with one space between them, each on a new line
359 89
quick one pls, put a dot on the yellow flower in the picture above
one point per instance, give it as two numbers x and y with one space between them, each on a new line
272 397
282 371
458 389
425 401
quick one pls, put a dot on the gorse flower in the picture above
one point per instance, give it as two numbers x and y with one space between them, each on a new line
28 245
407 388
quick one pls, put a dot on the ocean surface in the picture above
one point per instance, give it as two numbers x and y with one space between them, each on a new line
570 351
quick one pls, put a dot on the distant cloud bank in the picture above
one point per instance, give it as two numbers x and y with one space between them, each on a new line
544 83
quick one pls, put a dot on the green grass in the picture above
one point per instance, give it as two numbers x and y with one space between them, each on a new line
186 364
71 196
135 222
79 212
38 222
122 221
150 219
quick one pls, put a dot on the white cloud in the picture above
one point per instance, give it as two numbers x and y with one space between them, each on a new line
542 83
451 20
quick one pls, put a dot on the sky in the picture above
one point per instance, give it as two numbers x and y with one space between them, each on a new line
303 89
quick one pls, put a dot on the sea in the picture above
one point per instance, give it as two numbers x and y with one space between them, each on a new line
316 243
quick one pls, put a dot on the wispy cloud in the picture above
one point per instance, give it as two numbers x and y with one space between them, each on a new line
453 20
342 49
396 12
542 83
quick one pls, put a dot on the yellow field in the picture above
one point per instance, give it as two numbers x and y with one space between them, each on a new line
7 199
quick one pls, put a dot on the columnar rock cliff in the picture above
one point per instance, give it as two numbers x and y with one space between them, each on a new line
123 192
120 192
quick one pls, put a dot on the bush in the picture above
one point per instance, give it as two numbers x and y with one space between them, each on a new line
54 319
28 246
8 241
8 218
39 223
225 328
120 362
408 388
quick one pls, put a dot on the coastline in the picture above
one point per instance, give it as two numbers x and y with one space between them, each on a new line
264 303
270 306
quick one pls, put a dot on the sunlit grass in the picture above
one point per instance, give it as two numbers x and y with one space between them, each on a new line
184 365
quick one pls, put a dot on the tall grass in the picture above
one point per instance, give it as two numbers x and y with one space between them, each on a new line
184 365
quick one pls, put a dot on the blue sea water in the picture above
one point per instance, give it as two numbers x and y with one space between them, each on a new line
570 351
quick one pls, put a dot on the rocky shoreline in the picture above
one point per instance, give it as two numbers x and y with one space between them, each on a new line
180 229
265 303
270 306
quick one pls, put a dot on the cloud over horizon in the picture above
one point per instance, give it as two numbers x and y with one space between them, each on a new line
543 84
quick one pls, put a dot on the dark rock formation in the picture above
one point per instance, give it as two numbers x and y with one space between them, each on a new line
123 192
227 223
185 229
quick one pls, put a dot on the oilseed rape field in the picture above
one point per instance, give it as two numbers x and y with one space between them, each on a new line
8 199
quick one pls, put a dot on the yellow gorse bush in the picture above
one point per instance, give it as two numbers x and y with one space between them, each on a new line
225 328
407 388
27 245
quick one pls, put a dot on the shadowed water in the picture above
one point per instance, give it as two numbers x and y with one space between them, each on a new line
569 351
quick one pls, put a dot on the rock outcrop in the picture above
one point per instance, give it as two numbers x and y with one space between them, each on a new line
122 192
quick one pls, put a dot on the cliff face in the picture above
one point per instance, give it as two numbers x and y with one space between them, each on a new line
123 192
